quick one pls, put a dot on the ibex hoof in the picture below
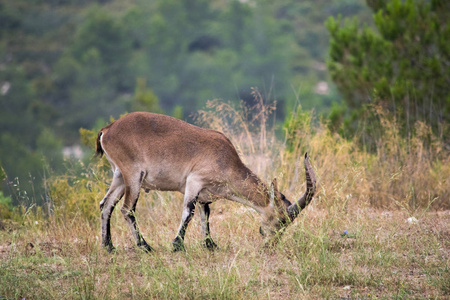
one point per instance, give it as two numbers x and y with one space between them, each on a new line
178 244
110 248
209 244
146 248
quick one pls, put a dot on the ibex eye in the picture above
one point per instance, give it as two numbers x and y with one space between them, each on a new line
261 231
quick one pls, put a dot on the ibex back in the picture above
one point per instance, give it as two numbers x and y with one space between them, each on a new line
156 152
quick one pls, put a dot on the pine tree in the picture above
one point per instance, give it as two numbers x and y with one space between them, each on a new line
402 66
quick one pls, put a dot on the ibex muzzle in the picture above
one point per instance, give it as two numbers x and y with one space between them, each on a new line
156 152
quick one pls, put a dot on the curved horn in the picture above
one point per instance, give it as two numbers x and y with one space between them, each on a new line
294 209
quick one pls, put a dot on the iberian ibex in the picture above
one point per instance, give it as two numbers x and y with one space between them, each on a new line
156 152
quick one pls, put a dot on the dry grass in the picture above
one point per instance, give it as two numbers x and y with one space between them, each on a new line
381 256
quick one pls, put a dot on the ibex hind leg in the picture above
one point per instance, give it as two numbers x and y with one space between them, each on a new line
132 190
112 194
107 205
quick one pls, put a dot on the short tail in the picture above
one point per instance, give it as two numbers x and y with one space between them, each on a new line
98 149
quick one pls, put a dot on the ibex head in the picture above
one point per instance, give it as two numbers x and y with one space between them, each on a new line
281 212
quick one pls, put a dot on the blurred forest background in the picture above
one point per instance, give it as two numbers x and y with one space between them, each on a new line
71 64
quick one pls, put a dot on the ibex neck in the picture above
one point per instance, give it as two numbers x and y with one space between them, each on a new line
249 190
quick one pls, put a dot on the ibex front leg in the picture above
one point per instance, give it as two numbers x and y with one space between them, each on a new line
132 191
191 193
204 215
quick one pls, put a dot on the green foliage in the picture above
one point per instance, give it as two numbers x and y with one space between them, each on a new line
297 128
51 149
25 138
88 138
76 196
144 98
106 34
2 174
178 112
336 117
6 207
21 165
400 66
96 70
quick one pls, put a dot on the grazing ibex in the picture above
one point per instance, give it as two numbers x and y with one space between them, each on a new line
157 152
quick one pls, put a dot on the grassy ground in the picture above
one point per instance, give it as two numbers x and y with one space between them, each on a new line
353 241
381 256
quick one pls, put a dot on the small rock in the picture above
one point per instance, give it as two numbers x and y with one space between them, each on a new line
412 221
